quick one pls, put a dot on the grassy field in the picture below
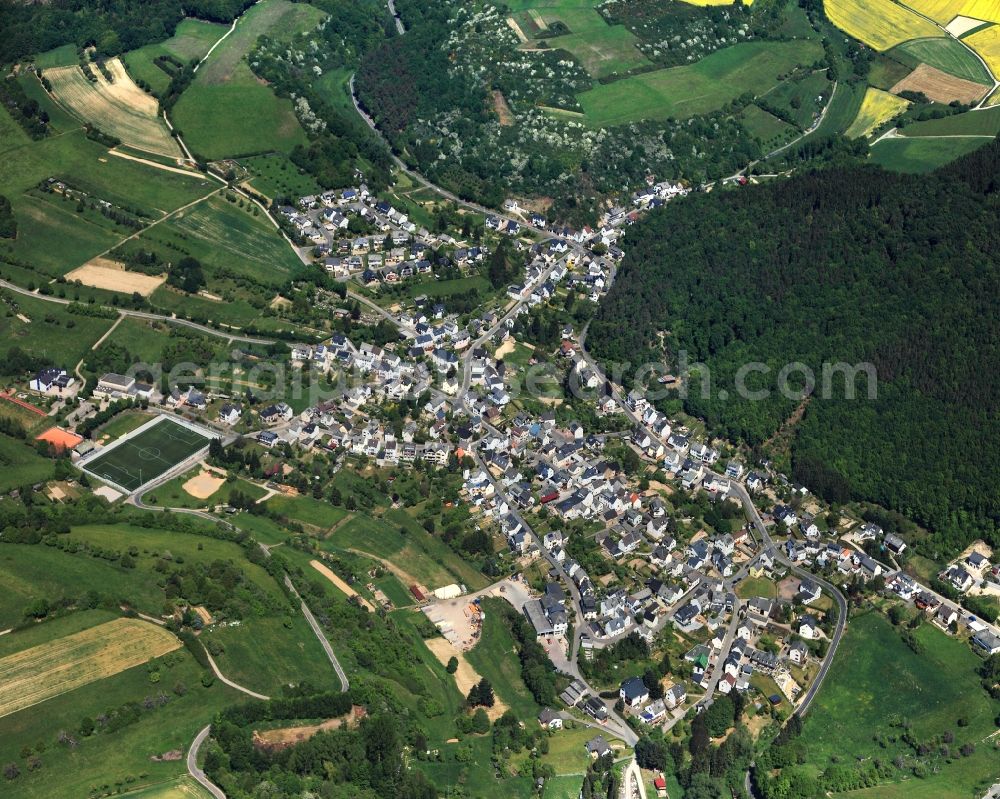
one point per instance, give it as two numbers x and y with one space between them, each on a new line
53 332
32 572
291 654
153 543
686 91
987 43
978 123
877 108
494 658
798 97
59 57
148 454
756 586
123 423
227 111
880 24
52 236
183 788
876 679
274 175
191 40
921 155
397 538
34 675
119 758
314 512
119 108
445 288
172 494
603 52
225 237
946 54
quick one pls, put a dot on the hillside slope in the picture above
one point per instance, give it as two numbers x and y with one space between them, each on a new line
849 264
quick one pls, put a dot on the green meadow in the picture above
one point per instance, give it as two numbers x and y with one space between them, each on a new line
681 92
227 111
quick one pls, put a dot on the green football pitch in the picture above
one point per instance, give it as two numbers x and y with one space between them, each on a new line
147 453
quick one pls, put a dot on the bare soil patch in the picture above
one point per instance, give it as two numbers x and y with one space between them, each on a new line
343 586
284 737
100 273
204 484
940 86
502 109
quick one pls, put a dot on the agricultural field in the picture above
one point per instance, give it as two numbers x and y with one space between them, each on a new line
227 111
146 454
987 43
59 57
979 123
191 40
53 236
118 107
602 53
902 154
940 86
111 756
878 107
876 679
225 237
702 87
880 24
946 54
30 677
183 788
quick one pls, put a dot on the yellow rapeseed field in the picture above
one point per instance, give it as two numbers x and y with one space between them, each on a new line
942 11
877 107
987 44
981 9
47 670
881 24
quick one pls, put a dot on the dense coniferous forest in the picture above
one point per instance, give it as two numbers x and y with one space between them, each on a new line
848 264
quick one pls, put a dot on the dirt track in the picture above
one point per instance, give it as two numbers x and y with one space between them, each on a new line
333 578
465 676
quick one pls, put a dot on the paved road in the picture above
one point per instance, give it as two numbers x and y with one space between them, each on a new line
738 490
195 770
223 678
344 683
615 722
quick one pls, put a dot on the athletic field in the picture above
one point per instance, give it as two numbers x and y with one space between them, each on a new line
146 453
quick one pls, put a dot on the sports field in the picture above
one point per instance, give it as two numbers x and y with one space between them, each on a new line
147 453
41 672
706 86
880 24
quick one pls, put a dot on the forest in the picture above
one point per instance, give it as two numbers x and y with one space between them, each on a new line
847 264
